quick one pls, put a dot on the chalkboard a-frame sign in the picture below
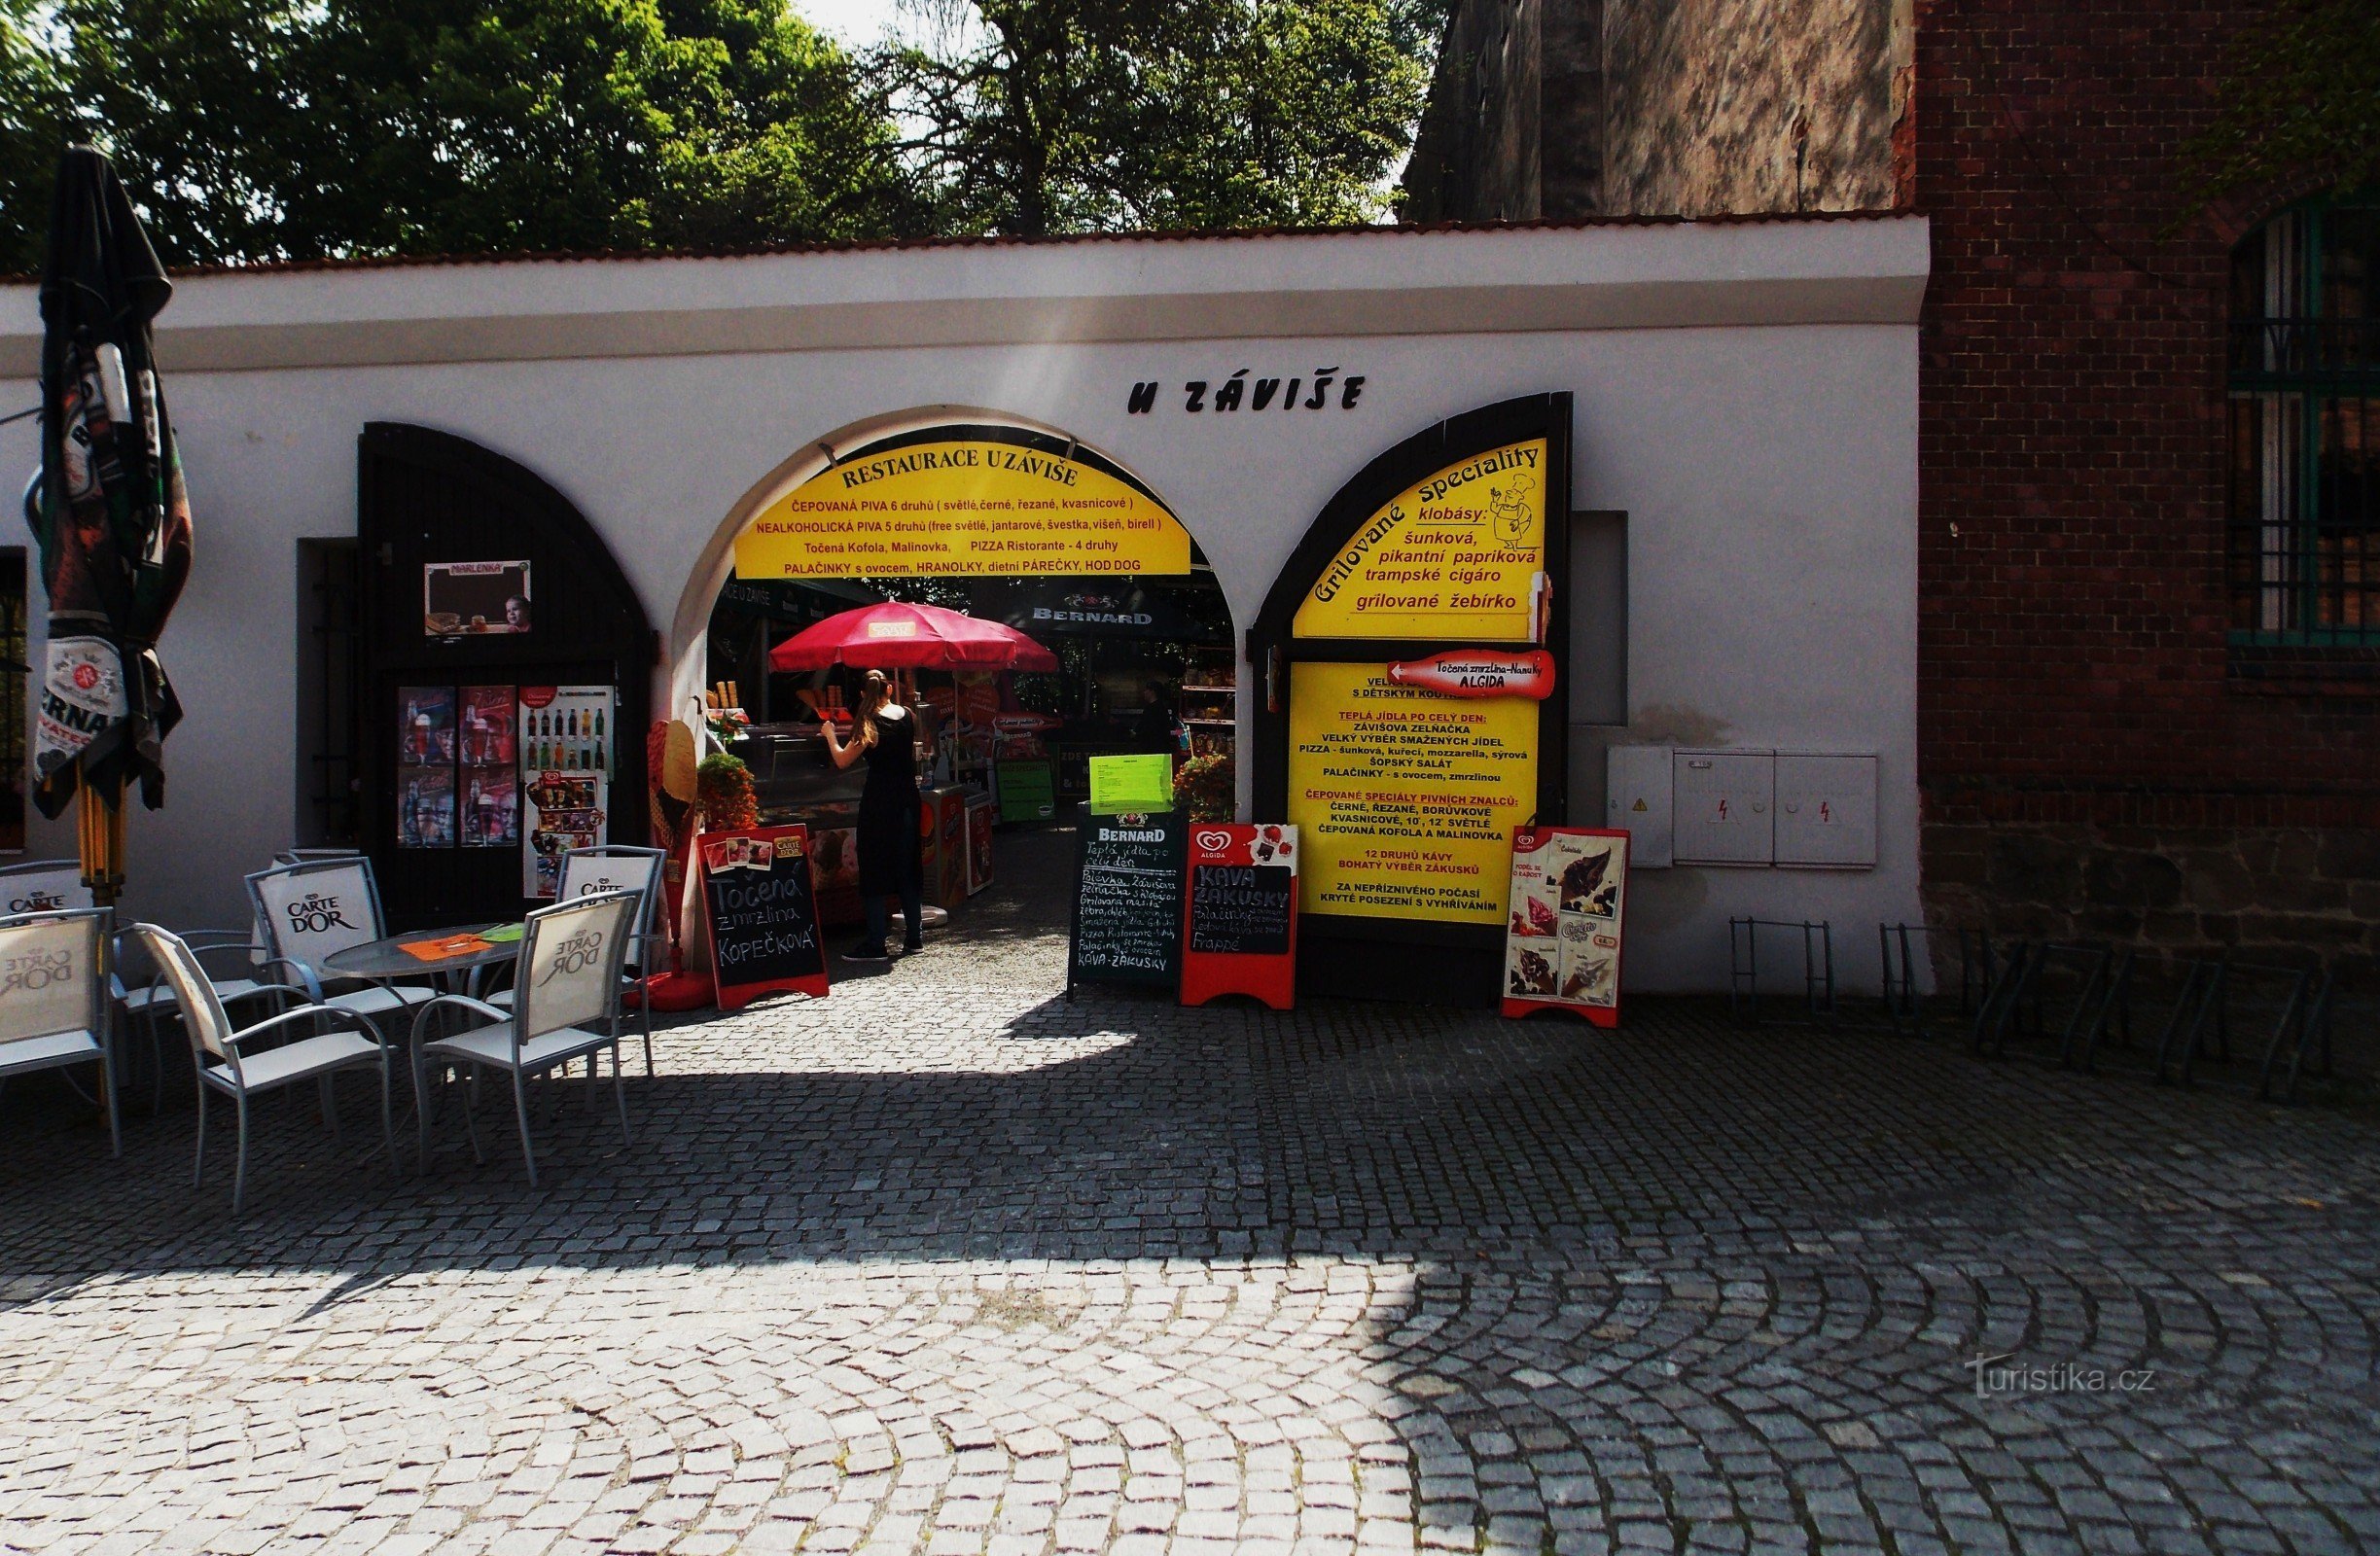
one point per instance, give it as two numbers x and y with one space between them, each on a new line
1240 928
1127 919
761 907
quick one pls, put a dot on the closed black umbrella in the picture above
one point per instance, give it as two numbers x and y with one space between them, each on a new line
109 512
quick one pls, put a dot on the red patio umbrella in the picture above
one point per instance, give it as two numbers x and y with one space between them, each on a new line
897 635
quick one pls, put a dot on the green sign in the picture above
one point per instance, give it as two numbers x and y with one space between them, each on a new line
1126 785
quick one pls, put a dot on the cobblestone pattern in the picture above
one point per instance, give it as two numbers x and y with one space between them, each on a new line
944 1263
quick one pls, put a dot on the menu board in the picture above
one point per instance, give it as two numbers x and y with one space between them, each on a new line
1406 797
1127 921
564 738
1562 943
964 502
1240 929
762 911
1459 554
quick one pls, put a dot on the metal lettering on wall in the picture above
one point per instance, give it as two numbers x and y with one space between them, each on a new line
1321 389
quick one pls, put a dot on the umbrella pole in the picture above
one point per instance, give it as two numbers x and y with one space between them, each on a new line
100 828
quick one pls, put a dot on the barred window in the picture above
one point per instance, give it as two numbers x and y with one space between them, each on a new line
2304 496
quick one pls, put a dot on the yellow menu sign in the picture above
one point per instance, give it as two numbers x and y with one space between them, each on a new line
965 506
1458 554
1407 799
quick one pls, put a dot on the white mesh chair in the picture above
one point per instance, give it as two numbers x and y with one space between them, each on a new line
565 1007
311 911
54 1000
222 1066
616 867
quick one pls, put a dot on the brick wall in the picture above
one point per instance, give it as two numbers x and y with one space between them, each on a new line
2095 762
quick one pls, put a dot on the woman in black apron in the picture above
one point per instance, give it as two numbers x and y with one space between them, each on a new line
886 736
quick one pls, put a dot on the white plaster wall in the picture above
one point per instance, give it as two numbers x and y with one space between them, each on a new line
1769 472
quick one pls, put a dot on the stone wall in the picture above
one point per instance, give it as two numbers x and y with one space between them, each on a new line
2271 894
1479 156
1719 106
1576 108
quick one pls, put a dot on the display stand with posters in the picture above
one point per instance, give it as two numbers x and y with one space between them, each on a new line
1239 932
761 914
1407 714
1563 939
565 739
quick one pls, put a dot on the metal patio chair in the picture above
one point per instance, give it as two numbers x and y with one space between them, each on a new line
567 984
54 1010
310 911
616 867
215 1050
52 885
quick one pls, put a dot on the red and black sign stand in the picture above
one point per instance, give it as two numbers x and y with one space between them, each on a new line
760 900
1239 916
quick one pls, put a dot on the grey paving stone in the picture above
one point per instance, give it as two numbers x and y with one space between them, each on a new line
948 1263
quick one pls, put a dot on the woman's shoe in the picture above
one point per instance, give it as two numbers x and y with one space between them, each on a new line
867 953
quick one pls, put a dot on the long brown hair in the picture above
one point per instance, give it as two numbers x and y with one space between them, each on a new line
875 690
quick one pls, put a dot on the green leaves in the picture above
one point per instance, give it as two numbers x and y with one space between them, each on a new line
260 130
1049 116
2302 95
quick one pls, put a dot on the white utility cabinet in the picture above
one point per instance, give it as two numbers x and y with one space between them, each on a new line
1723 806
1637 782
1825 810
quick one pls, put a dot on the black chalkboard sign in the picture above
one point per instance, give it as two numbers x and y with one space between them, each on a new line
760 903
1127 925
1241 909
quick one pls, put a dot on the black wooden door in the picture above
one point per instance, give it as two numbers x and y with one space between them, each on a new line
439 657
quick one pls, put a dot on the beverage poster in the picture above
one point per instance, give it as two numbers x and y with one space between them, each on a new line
1562 941
564 736
425 766
425 807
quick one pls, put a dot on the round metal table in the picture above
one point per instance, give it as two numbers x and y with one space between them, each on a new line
380 961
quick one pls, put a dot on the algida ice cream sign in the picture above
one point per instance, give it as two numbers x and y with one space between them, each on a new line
965 502
1407 775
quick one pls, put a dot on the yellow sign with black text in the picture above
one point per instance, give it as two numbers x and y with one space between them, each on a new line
1458 555
1407 799
964 506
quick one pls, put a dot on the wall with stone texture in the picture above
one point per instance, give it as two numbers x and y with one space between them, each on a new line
1717 106
1574 108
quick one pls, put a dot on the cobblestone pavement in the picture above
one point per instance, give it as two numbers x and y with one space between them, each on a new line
947 1264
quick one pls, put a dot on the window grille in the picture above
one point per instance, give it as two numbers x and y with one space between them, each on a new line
2304 490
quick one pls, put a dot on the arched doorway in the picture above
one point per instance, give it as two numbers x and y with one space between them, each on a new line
1448 542
505 657
1000 517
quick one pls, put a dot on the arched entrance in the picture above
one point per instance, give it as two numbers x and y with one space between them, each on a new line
503 657
1000 517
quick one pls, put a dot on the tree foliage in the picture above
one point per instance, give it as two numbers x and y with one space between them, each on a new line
1049 116
290 129
2301 94
258 130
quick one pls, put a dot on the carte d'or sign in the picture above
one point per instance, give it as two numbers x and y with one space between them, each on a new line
979 502
1459 554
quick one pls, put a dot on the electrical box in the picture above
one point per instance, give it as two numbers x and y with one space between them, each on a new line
1723 806
1636 790
1826 811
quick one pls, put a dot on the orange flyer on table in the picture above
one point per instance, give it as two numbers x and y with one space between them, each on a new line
446 949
